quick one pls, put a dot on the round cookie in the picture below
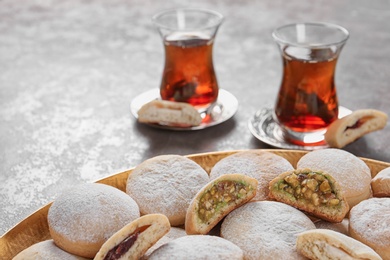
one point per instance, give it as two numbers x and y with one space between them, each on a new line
82 218
266 229
174 232
341 227
46 250
352 174
380 184
166 184
261 165
198 247
369 222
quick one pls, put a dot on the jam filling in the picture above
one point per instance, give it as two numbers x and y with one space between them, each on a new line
119 250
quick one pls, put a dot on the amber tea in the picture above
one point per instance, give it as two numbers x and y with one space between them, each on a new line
188 35
189 72
307 99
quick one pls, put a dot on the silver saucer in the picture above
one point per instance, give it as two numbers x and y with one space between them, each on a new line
225 107
263 126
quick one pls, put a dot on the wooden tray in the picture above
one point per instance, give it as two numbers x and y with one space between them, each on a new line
34 228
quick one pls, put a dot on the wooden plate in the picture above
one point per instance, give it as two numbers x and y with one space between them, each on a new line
34 228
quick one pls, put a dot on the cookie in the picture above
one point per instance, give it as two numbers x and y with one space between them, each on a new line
369 222
169 113
261 165
82 218
198 247
166 184
380 184
350 172
324 244
134 239
46 250
216 199
266 229
353 126
314 192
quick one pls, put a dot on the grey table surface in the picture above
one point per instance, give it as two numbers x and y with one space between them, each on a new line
69 70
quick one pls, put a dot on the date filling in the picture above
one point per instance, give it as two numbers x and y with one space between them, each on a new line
119 250
313 187
219 195
358 123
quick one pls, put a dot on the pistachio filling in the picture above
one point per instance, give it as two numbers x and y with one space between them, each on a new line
119 250
221 194
312 187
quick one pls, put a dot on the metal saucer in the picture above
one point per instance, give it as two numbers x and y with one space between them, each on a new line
225 107
263 127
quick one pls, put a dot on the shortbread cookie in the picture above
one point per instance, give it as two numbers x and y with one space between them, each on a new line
369 222
82 218
261 165
166 184
353 126
202 247
46 250
266 229
350 172
324 244
314 192
134 239
216 199
380 184
169 113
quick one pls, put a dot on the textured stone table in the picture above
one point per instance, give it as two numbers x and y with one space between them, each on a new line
69 70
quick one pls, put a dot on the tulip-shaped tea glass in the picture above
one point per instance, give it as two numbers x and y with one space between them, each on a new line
188 35
307 100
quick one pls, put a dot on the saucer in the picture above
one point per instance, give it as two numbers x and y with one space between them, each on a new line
223 109
263 127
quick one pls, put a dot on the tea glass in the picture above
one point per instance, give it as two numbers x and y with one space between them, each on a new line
188 35
307 100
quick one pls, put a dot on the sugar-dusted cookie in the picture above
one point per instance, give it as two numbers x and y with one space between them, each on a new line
369 222
166 184
380 184
46 250
351 173
266 229
202 247
261 165
82 218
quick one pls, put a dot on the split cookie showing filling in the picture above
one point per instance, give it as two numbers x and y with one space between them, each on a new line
216 199
134 239
315 192
120 249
